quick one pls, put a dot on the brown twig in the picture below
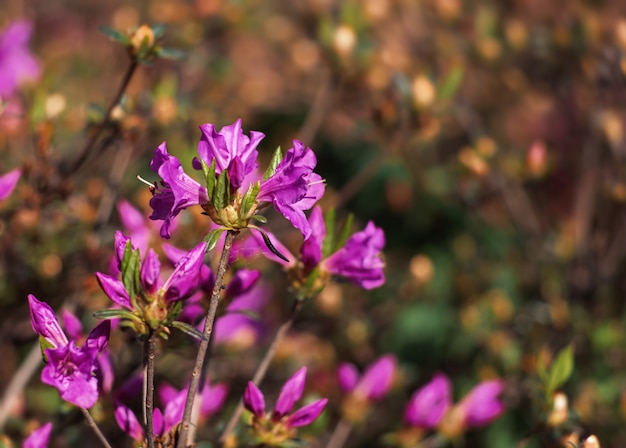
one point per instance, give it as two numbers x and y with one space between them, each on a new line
196 374
97 132
317 112
93 425
149 356
264 365
340 434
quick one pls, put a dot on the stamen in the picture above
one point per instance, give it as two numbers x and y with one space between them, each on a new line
145 181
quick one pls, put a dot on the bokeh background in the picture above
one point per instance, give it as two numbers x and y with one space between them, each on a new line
485 137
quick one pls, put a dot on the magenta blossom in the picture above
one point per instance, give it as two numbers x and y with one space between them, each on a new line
375 381
8 182
39 438
482 404
17 64
70 368
277 427
232 192
211 399
429 404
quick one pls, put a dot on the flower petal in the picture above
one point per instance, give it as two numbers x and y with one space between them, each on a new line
348 376
306 414
45 322
482 405
185 278
8 182
290 393
127 421
39 437
428 404
376 379
114 289
253 399
311 251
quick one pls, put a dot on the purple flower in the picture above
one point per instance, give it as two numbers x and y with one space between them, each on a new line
140 229
375 381
429 404
291 187
8 182
39 438
212 397
359 260
275 427
482 405
71 369
17 64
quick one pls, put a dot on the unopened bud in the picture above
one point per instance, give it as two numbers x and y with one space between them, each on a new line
591 442
560 410
142 34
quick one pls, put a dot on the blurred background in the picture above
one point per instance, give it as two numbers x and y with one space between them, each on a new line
485 137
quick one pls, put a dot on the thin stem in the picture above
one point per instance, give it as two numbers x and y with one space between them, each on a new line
95 134
265 363
340 434
150 354
196 374
95 427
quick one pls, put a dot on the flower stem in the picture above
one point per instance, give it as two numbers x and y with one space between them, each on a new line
95 133
204 343
149 356
340 434
265 363
95 427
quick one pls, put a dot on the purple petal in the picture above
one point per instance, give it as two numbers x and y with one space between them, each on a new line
177 191
290 393
428 404
127 421
39 437
243 280
16 62
8 182
114 289
150 272
359 260
348 376
136 223
72 325
213 398
482 405
307 414
45 322
377 378
293 187
167 393
71 371
157 422
184 280
105 372
98 338
311 251
173 412
253 400
120 243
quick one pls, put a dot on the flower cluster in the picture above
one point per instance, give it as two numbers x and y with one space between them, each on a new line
233 190
149 303
70 368
278 427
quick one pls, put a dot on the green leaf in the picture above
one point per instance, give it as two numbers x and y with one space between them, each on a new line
248 199
560 370
188 329
344 233
158 30
260 218
212 237
221 195
130 270
169 53
451 83
114 35
271 247
276 159
115 314
209 175
329 240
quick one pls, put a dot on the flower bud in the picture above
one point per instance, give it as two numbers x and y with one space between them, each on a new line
142 34
591 442
560 409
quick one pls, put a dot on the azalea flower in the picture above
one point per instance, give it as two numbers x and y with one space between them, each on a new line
8 182
233 192
70 368
211 399
429 404
39 438
358 260
17 64
277 427
375 381
152 302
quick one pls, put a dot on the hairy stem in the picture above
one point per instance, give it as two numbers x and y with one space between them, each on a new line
106 121
196 374
340 434
95 427
265 363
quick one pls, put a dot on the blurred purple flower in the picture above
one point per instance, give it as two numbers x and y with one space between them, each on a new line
292 188
429 404
291 392
139 227
212 398
17 64
71 369
482 404
8 182
39 438
375 381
